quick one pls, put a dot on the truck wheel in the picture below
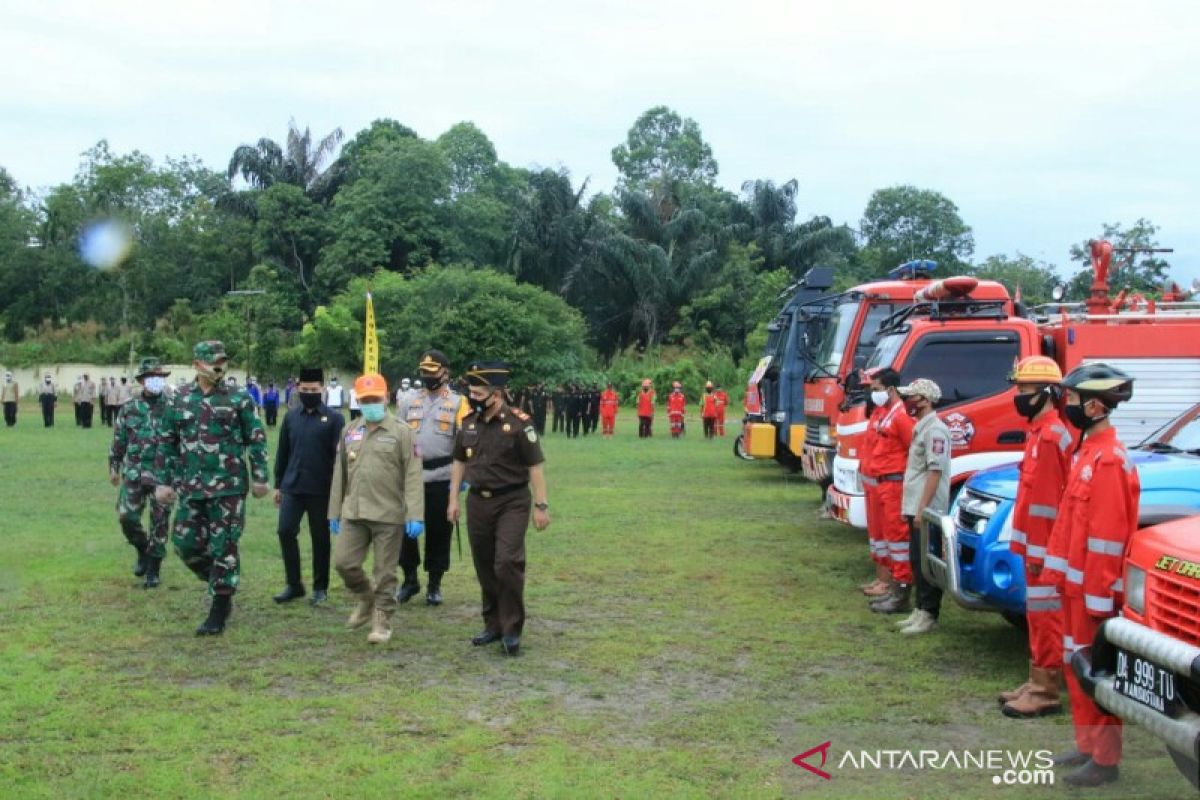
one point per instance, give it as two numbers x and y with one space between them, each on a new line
1015 619
1187 766
739 449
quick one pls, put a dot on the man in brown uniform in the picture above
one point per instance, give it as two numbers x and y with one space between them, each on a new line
497 451
377 496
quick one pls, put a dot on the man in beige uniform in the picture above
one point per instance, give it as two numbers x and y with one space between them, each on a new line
87 401
377 496
10 395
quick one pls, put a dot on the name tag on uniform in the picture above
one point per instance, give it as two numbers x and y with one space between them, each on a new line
387 440
355 435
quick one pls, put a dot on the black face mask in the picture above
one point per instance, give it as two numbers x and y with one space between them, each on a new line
310 400
480 406
1077 417
1030 405
431 384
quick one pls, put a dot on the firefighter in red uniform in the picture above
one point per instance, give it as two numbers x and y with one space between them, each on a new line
866 472
1044 469
708 411
889 459
645 405
676 407
722 404
608 410
1086 553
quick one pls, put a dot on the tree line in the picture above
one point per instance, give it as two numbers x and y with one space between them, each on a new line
667 260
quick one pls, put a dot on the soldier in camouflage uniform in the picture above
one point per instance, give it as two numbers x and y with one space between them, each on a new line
208 429
131 466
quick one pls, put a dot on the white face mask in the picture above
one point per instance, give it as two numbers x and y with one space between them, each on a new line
154 384
879 398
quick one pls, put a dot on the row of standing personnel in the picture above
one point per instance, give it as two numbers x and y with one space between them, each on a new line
1075 511
377 483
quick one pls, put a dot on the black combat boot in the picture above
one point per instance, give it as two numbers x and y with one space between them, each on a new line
1093 774
217 614
410 588
433 597
152 566
139 567
291 592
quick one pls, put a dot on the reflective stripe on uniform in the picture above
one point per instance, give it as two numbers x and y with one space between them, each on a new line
1101 605
1045 512
899 558
1036 550
1056 563
1019 536
1043 605
1041 593
1068 648
1104 547
1074 575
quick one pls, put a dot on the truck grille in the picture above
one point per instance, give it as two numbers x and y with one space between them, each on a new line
1174 607
812 431
974 511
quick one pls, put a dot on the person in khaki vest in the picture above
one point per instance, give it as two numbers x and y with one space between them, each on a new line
87 401
377 496
10 395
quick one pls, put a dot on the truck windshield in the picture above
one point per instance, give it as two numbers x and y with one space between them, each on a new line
887 349
833 345
1181 435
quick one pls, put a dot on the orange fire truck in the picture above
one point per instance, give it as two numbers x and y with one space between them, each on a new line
966 335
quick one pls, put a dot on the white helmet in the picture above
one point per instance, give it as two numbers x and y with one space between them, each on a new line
405 383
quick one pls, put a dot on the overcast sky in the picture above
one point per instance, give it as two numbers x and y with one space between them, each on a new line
1040 120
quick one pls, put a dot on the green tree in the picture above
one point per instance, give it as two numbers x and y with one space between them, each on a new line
299 161
469 314
290 231
1132 267
389 216
1034 278
663 156
901 223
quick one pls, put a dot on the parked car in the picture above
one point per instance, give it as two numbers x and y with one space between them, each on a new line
967 550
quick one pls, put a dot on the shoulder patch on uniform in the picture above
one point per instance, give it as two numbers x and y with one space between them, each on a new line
531 433
938 445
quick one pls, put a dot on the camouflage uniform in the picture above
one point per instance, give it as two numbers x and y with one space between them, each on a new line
201 455
131 456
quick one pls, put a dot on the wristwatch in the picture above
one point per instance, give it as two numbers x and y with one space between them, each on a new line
542 506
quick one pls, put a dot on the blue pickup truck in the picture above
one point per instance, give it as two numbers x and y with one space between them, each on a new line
966 551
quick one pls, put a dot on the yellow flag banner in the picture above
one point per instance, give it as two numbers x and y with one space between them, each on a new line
371 345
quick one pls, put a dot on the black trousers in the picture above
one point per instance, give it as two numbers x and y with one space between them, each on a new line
437 535
496 527
710 427
78 415
47 401
539 423
574 423
271 412
929 597
87 413
644 427
294 506
10 414
559 421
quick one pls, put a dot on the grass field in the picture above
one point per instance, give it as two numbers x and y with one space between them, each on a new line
693 626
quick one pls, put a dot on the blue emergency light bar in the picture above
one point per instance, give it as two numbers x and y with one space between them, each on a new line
912 270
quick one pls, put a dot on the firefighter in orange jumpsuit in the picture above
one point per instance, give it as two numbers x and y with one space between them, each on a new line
708 411
1086 553
722 404
645 408
866 472
1044 469
676 408
889 458
608 410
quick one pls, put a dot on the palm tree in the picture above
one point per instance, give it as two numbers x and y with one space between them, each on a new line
299 162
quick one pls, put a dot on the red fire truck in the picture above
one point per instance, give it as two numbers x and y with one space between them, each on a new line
847 345
967 340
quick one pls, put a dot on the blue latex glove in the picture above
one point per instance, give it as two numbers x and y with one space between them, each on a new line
414 528
335 526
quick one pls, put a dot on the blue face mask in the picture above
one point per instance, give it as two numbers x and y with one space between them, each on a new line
374 412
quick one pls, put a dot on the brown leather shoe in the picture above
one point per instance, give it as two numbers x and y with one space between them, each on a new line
1008 697
1039 701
